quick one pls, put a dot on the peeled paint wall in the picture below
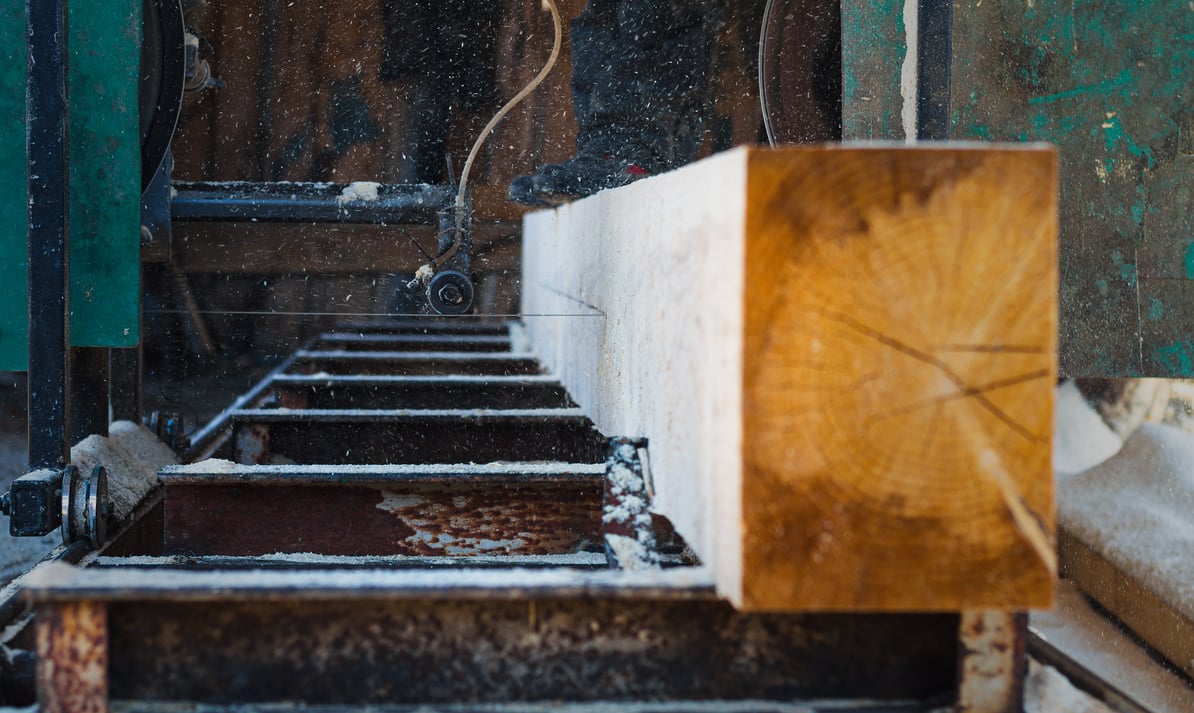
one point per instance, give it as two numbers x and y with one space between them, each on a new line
1109 83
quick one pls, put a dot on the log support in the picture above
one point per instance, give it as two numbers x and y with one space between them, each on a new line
844 358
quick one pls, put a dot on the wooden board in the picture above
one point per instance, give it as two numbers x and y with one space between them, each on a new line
1160 624
843 359
1125 537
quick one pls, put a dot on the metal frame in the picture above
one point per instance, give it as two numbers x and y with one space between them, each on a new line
49 231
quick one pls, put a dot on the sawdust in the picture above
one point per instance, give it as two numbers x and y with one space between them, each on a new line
211 465
132 457
362 191
1081 439
631 554
514 582
520 339
1075 627
1135 510
1047 691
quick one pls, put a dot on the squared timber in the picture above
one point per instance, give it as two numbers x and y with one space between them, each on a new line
843 357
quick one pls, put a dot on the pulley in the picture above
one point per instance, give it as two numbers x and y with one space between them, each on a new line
163 74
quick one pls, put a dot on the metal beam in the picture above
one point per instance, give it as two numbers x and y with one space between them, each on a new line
49 235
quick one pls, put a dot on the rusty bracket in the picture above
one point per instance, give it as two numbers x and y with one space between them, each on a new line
992 666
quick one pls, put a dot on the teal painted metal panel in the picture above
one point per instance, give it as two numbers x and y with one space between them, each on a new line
105 172
14 331
1111 84
105 175
874 46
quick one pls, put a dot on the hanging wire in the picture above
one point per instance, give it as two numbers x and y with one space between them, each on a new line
427 271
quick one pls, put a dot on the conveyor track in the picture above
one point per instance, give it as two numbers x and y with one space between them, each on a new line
411 514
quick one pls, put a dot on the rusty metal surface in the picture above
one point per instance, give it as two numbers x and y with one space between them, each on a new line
288 248
408 519
411 363
449 651
72 657
252 443
992 663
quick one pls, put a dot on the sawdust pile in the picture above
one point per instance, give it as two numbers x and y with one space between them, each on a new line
1134 509
1047 691
132 456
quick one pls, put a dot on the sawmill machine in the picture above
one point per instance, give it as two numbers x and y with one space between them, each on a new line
402 509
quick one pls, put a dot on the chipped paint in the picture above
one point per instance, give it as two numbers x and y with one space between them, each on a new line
1156 310
1174 359
1110 85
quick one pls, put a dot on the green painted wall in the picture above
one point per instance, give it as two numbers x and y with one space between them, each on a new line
873 51
14 334
105 175
1111 84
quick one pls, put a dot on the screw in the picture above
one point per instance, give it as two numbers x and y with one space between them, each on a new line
451 294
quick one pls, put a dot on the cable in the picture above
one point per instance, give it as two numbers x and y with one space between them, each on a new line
429 269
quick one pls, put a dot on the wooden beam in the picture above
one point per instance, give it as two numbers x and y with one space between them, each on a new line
1160 624
843 358
1124 537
